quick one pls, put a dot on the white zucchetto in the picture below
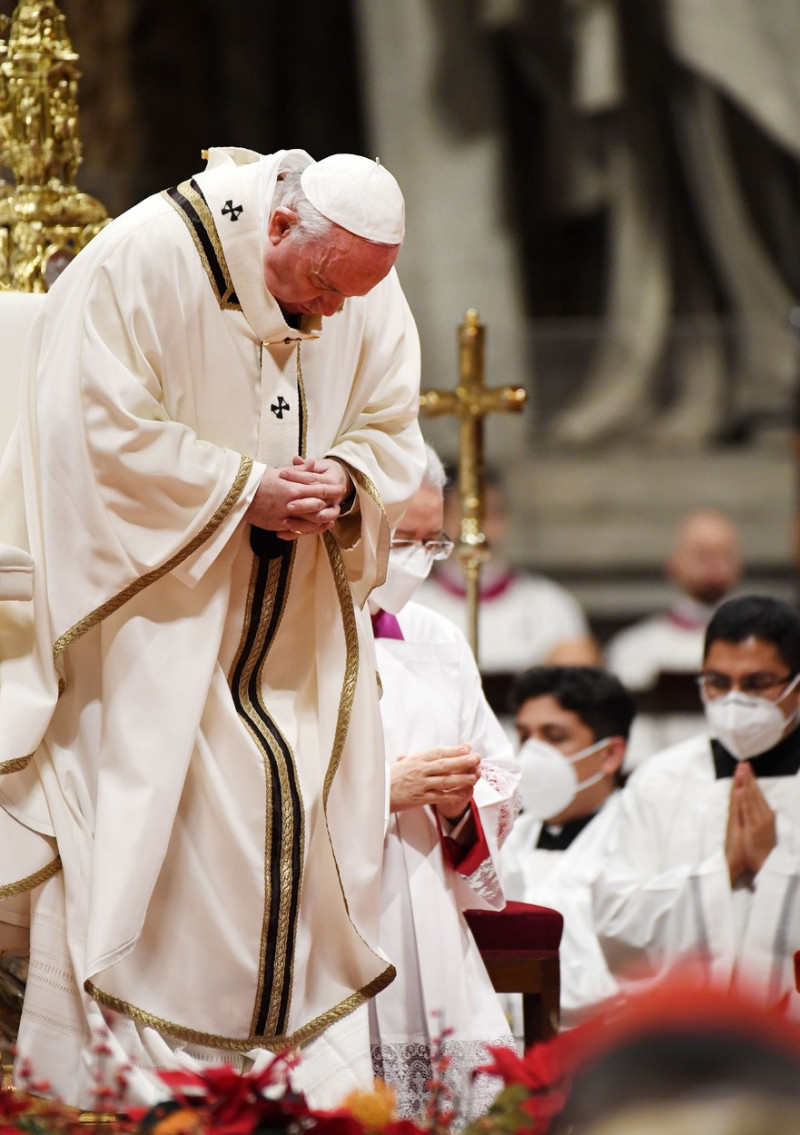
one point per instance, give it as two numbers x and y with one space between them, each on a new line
358 194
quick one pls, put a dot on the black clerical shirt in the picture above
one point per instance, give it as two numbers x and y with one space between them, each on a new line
782 760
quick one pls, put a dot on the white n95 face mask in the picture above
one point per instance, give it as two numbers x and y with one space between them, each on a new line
746 724
549 782
406 570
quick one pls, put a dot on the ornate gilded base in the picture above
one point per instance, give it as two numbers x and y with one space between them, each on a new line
44 219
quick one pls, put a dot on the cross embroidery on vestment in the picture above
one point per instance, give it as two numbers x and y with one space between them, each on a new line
232 210
279 406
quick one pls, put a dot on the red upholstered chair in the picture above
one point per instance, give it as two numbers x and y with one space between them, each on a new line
519 947
797 970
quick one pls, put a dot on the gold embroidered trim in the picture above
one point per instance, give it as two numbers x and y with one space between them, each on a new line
346 698
363 482
282 971
15 765
221 280
304 1034
301 391
265 615
114 604
351 661
30 882
369 487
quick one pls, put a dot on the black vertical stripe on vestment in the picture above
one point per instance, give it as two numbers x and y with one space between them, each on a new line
207 238
282 901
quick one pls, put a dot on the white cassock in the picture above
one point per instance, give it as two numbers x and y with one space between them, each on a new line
671 642
664 895
432 696
198 815
562 880
521 617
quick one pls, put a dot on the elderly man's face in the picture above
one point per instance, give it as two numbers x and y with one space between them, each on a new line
706 561
314 277
423 517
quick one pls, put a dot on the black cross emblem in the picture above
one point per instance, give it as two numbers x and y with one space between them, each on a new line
232 210
279 406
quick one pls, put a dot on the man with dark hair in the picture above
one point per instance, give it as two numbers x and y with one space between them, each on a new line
704 860
573 723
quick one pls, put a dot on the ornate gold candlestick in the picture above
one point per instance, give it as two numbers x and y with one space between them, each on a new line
44 219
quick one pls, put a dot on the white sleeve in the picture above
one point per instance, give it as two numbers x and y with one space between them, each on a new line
650 911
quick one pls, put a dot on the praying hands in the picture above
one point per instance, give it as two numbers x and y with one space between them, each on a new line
751 834
303 499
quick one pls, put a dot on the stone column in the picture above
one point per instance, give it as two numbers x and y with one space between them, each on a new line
433 117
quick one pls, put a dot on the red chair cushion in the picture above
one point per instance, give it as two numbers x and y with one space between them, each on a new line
520 926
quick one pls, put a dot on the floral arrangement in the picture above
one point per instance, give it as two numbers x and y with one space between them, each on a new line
221 1101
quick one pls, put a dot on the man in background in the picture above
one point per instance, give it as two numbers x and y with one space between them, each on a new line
524 618
702 864
704 565
573 724
453 778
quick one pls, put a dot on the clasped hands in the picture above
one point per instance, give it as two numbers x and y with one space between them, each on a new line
751 833
443 777
301 499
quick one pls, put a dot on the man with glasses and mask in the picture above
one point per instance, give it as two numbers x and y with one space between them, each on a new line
704 860
573 723
452 800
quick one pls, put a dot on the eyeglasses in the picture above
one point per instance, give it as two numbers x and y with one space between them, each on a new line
438 549
715 685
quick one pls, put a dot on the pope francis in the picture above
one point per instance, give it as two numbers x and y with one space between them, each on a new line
218 432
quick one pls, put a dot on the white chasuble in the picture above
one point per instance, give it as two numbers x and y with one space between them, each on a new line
211 775
432 697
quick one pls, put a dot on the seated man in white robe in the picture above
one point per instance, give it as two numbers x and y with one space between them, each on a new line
703 863
573 722
218 430
524 618
453 779
703 566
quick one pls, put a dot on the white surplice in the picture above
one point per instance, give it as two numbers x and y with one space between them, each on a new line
210 777
522 617
667 642
664 895
562 880
432 697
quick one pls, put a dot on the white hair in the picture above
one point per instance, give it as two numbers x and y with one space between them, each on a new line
435 476
311 225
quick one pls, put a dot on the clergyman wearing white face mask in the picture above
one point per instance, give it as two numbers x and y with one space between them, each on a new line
706 858
452 780
573 723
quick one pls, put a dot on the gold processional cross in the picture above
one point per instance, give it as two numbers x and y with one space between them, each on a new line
471 402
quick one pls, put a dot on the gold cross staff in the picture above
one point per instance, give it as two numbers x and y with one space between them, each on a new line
471 402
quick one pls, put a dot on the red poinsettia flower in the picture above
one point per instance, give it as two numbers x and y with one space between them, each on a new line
544 1065
404 1127
12 1103
339 1122
234 1103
